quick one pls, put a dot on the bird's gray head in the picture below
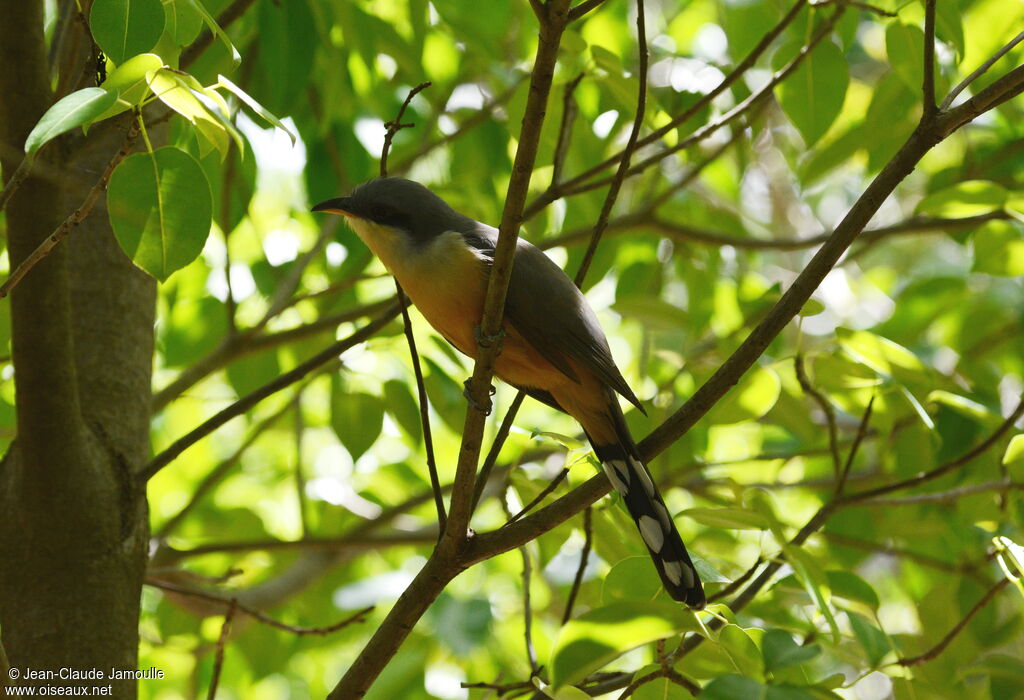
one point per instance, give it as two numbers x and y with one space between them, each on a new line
401 204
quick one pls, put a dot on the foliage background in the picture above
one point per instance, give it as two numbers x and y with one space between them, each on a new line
317 502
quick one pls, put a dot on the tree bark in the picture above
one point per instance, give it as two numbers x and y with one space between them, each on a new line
73 521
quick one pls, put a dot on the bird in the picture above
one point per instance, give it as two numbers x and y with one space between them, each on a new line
553 347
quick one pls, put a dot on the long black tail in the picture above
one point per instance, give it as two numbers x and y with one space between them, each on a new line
630 478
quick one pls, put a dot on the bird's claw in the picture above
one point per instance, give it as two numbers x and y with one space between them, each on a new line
485 341
467 392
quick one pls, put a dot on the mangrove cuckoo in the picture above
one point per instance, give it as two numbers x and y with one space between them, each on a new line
553 348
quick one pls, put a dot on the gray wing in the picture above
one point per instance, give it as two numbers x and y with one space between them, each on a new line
549 311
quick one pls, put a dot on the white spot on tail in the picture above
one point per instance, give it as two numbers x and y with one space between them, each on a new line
663 515
618 474
673 570
654 536
645 478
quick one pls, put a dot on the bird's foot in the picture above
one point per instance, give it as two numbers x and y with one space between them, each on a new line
467 391
485 341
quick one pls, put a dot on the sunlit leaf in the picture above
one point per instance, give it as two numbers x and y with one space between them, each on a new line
129 82
254 106
754 396
813 95
160 209
964 199
77 109
125 28
598 636
876 644
357 419
729 518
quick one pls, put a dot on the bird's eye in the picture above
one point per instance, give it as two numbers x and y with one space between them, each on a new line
380 212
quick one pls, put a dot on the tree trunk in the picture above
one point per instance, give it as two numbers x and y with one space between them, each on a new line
73 520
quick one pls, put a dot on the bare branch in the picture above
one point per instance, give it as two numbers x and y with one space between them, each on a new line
583 8
393 127
936 650
979 71
15 180
928 88
222 640
254 397
256 614
627 152
74 219
826 409
588 536
943 469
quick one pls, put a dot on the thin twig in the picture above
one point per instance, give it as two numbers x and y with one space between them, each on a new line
583 8
540 496
499 441
577 581
393 127
627 152
257 615
862 430
218 657
826 408
569 112
424 406
17 177
979 71
948 496
943 469
936 650
928 88
666 672
737 72
74 219
736 583
218 473
254 397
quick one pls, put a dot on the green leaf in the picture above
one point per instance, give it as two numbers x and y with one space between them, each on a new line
734 687
814 582
77 109
876 644
780 651
742 649
1014 450
403 407
728 518
813 95
850 586
181 92
254 106
598 636
124 28
996 666
999 249
969 198
949 25
753 397
356 418
633 578
888 359
463 624
904 43
215 29
160 209
129 82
